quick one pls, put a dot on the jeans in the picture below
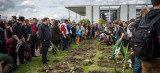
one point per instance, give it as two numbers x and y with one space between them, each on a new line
64 43
121 49
73 38
68 40
137 68
45 46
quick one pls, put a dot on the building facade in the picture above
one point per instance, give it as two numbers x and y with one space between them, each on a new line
109 13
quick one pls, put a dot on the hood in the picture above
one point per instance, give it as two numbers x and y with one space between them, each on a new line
151 15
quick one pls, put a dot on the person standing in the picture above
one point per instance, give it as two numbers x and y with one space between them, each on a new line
55 35
137 68
9 40
3 38
33 36
14 20
154 65
35 22
73 28
18 39
69 35
66 32
63 35
27 35
27 30
92 33
119 36
59 25
79 34
45 37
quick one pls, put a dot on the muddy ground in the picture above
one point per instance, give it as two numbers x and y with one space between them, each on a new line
86 55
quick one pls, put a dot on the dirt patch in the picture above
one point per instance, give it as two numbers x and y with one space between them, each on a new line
107 51
90 55
94 51
101 49
63 71
89 42
56 61
87 62
101 58
97 71
82 56
61 66
103 72
45 69
77 70
74 58
105 64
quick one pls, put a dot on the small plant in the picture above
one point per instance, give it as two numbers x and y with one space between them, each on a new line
126 58
54 47
116 55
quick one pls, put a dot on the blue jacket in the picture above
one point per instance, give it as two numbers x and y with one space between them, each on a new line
79 33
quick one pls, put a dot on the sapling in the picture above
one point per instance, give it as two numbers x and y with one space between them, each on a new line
54 47
126 58
116 55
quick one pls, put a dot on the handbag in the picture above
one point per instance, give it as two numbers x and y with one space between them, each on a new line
26 47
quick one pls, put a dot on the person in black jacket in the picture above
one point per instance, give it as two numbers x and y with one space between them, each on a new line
153 66
3 38
33 37
35 22
18 39
27 35
73 28
45 37
27 31
137 68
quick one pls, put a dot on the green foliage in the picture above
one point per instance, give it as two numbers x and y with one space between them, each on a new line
4 21
55 48
69 19
118 20
126 58
116 55
85 20
101 21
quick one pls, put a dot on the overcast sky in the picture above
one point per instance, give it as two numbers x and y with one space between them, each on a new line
52 8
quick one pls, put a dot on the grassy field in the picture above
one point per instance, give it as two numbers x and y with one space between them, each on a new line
36 63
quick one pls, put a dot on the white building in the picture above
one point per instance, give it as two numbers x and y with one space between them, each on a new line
123 12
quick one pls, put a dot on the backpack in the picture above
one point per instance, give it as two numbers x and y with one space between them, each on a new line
143 40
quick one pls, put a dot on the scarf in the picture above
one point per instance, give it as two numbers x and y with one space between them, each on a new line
33 27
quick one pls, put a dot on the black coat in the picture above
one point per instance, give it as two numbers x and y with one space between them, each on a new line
149 17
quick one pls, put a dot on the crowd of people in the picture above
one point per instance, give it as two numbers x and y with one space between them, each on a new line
21 38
